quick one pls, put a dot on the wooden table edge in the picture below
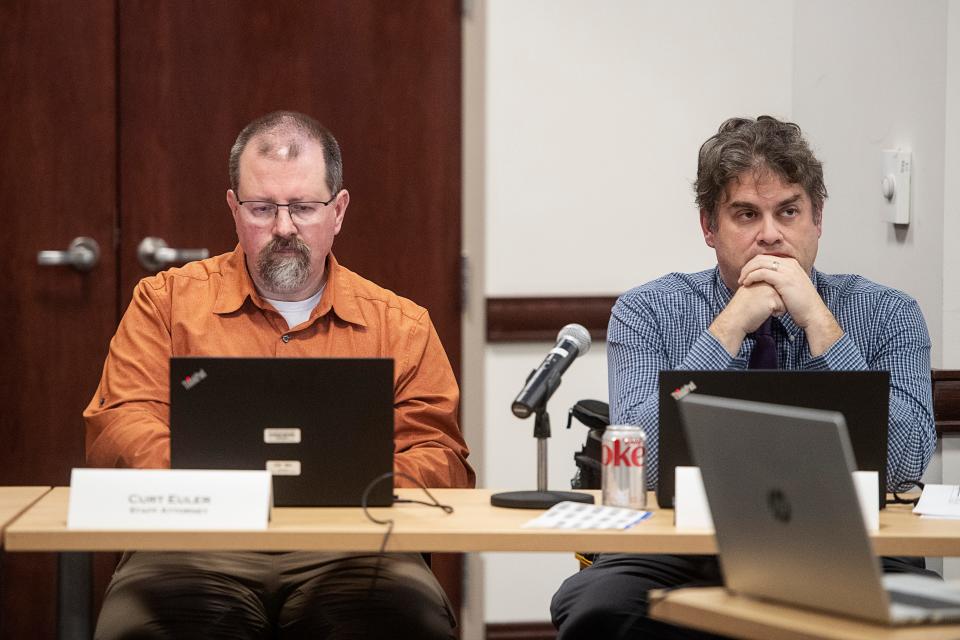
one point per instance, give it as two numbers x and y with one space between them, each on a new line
716 610
44 490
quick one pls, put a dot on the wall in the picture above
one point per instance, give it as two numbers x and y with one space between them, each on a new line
473 328
594 114
870 76
951 194
950 450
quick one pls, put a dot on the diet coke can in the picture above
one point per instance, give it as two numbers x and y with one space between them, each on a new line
623 469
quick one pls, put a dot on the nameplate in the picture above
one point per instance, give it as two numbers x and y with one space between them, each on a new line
163 499
692 511
690 508
867 484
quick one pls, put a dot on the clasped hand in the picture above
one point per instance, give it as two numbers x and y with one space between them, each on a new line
771 286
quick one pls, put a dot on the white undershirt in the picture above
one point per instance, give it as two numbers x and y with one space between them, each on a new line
297 311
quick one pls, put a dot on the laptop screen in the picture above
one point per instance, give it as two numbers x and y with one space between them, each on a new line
788 523
322 426
861 396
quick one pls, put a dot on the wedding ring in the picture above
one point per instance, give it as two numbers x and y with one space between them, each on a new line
776 265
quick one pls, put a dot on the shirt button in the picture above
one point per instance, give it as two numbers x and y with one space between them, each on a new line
286 338
790 338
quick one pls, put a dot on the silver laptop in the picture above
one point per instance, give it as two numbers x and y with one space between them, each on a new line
789 527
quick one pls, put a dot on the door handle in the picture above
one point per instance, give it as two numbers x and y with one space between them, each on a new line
83 254
154 254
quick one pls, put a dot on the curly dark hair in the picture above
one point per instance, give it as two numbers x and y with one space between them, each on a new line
744 144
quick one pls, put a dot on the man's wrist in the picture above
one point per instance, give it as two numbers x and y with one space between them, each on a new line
727 334
822 333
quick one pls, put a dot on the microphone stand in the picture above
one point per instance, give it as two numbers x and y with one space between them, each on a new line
541 498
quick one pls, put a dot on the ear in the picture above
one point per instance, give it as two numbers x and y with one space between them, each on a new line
708 235
820 223
233 203
340 209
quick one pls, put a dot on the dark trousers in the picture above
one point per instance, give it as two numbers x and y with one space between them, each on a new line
609 599
241 595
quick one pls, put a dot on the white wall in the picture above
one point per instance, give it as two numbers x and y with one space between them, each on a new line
868 76
950 447
595 111
593 115
951 195
472 405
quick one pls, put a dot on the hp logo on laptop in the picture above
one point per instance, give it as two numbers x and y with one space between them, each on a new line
779 505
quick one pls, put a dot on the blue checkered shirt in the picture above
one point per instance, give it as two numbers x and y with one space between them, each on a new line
663 325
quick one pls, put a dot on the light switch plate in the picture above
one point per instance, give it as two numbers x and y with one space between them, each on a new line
895 180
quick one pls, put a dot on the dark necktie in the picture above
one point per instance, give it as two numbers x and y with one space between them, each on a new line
764 354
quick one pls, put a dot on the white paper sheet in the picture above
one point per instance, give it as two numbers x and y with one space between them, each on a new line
939 501
579 515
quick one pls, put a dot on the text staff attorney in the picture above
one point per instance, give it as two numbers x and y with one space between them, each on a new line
279 292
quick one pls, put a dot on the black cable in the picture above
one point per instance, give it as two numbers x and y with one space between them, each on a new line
389 522
444 507
905 485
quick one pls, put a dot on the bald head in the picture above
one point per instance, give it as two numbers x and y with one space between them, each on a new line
281 135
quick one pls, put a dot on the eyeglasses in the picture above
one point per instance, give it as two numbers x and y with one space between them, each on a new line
300 212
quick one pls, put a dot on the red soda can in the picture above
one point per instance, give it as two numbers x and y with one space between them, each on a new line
624 447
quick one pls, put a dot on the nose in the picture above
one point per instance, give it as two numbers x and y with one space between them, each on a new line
769 232
283 225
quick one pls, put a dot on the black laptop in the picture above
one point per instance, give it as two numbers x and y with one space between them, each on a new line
322 426
861 396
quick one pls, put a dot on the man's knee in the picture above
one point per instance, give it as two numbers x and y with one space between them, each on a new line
393 597
166 603
611 598
599 604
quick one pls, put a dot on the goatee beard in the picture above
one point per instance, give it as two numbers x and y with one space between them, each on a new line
284 273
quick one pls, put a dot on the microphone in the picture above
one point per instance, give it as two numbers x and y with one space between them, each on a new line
572 341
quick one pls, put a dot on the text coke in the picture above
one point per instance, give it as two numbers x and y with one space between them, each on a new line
623 470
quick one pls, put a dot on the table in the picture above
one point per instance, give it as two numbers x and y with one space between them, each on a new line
475 525
16 500
714 609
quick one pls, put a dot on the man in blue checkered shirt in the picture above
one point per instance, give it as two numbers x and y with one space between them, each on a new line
760 191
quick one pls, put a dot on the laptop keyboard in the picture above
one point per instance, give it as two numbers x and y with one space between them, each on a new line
926 602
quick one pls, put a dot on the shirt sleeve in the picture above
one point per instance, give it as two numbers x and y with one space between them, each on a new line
127 421
902 347
428 445
637 350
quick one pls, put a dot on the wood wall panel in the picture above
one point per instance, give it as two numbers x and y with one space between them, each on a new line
946 400
536 319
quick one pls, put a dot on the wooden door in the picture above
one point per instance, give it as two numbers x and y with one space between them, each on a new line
117 120
58 180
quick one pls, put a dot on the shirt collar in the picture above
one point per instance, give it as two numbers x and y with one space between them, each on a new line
339 295
238 286
721 293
